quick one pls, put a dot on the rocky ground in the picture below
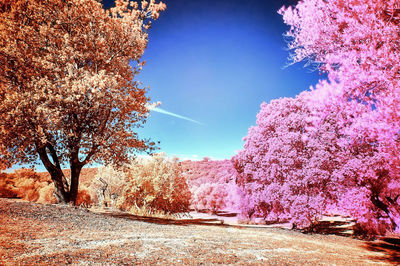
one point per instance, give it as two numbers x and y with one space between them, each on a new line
59 234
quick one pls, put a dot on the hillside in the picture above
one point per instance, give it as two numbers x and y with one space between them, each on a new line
63 234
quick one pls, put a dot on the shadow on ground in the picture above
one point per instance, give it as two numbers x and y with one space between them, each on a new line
167 221
387 245
189 221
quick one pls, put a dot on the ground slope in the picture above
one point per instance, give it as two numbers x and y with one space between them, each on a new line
57 234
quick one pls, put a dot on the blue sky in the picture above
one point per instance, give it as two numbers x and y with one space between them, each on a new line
215 62
211 64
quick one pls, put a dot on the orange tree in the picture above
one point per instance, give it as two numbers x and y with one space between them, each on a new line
67 94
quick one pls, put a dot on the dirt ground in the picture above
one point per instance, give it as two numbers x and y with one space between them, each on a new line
59 234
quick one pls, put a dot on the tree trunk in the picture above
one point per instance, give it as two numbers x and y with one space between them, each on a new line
75 173
63 192
61 187
390 208
57 175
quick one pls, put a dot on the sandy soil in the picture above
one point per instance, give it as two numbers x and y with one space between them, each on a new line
59 234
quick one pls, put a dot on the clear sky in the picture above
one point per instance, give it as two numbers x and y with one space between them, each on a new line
211 64
215 62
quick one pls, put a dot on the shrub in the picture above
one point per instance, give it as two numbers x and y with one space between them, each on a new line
107 186
37 187
28 185
83 198
147 186
155 183
6 186
46 194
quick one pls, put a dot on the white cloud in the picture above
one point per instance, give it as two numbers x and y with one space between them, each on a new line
162 111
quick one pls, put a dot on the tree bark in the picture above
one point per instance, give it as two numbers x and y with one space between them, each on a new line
76 168
390 209
57 175
61 187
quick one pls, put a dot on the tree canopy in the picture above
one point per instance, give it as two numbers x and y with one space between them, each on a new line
356 43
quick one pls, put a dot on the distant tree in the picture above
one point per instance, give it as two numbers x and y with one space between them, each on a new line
209 196
67 94
212 184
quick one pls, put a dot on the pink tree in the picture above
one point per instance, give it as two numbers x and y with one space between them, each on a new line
294 169
285 171
356 43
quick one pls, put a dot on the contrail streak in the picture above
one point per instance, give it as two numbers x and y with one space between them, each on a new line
162 111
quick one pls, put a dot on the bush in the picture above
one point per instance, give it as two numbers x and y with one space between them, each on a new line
83 198
156 184
147 186
6 186
29 185
107 186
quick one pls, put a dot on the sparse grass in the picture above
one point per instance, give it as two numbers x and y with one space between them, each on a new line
60 234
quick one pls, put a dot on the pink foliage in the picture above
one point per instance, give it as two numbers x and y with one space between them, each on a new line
356 43
285 171
294 169
370 185
212 184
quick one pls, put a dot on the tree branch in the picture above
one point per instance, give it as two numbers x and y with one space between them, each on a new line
96 146
54 156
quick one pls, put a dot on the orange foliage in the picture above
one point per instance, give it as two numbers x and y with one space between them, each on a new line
6 187
83 199
37 186
28 185
155 184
